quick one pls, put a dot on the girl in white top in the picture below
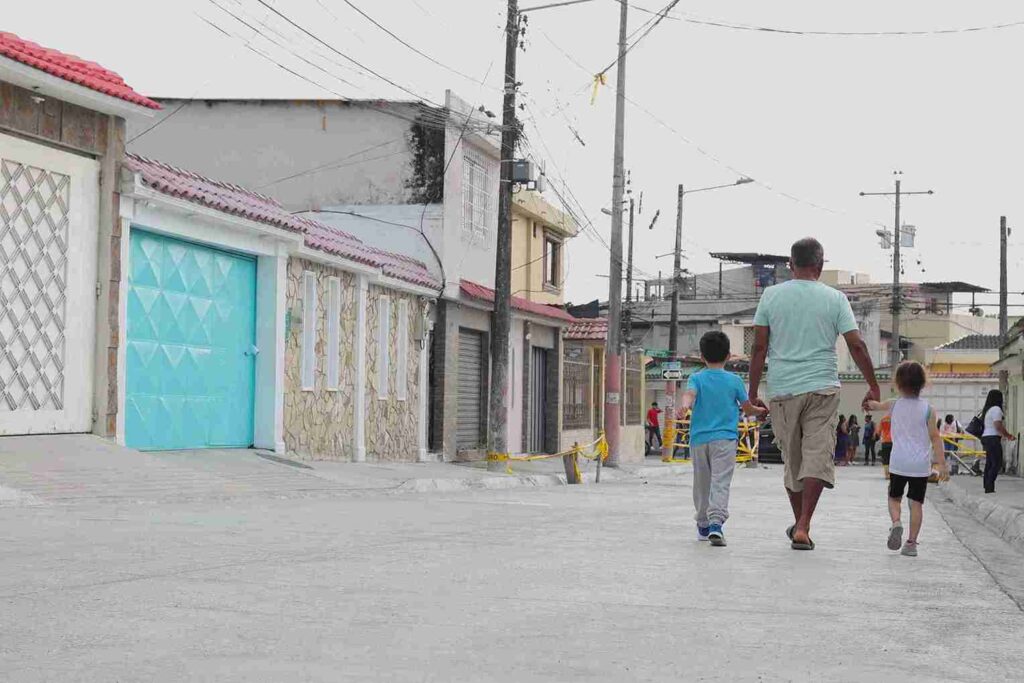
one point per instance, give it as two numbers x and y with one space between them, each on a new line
916 446
992 438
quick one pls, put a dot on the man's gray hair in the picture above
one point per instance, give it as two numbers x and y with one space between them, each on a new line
807 253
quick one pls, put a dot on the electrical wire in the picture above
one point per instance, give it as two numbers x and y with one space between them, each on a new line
652 25
719 23
415 49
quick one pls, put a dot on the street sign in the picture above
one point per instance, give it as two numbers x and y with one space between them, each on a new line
671 365
672 374
658 353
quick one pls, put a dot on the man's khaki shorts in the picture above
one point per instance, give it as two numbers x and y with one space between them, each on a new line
805 432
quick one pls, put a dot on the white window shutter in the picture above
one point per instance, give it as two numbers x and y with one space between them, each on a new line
383 347
333 331
308 330
402 375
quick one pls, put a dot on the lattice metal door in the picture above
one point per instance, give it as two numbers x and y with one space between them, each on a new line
48 222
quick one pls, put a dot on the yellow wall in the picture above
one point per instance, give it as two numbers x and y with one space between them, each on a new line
532 217
960 367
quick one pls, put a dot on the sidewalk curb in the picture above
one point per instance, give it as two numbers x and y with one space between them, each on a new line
513 481
1006 522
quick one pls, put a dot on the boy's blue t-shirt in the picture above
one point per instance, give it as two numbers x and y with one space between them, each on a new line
716 411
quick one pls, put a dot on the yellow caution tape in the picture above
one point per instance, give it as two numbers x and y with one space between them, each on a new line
599 80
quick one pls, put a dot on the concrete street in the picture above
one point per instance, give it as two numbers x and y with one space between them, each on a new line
288 577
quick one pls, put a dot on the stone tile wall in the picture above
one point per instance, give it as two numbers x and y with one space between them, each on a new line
392 432
319 424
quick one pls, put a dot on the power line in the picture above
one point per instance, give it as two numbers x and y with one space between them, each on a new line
388 31
343 55
330 165
719 23
653 24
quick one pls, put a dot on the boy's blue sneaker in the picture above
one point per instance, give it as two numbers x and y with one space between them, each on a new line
715 535
702 533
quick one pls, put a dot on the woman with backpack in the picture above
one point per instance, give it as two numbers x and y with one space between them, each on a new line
992 435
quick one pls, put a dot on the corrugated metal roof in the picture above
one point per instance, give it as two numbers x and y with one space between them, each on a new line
238 201
973 342
71 68
477 291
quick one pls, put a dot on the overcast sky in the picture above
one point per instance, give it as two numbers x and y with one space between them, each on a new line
814 119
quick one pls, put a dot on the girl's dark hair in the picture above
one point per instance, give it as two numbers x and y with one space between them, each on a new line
993 400
949 419
911 377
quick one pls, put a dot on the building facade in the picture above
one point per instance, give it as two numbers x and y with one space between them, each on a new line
62 132
422 182
583 390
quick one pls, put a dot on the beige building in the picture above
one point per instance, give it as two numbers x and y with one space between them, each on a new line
539 231
583 389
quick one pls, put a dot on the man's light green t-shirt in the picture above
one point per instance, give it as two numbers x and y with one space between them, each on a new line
804 319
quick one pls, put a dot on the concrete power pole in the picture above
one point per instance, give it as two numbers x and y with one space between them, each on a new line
673 325
1004 323
497 418
897 303
613 349
629 266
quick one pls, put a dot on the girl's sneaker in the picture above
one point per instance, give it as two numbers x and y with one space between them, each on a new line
895 536
715 535
909 549
702 533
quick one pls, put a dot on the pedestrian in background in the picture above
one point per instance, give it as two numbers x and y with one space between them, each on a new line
870 437
916 446
949 428
796 327
885 438
853 430
653 429
842 439
992 438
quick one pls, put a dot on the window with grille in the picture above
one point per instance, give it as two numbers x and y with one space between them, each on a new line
576 388
402 378
476 197
748 340
383 346
634 408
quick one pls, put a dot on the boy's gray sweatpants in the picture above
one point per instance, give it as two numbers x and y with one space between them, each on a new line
713 465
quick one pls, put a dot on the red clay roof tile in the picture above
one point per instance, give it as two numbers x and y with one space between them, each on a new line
71 68
238 201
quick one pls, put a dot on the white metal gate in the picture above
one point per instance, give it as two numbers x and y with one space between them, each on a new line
960 397
538 400
48 239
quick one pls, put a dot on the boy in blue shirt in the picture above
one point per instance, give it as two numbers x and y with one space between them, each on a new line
716 397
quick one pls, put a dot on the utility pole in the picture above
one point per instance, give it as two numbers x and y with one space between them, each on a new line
897 303
497 419
1004 323
673 325
613 349
629 266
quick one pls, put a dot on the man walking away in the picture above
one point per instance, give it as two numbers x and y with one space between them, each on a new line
796 327
653 429
869 440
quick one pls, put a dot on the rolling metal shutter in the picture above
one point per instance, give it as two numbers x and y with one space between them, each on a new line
471 396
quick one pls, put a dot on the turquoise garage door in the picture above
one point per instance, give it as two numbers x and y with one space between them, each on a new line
190 357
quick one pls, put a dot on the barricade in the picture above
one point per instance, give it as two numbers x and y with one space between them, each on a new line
677 438
965 450
570 458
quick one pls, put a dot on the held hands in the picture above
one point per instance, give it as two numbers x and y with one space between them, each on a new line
874 395
755 407
943 471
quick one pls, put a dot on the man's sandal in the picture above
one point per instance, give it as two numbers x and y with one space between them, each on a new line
798 546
